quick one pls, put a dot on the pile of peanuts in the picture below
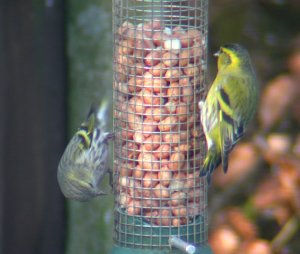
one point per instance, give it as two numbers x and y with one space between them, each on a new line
158 75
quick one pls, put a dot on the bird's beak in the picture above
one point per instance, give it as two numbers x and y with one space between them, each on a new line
217 53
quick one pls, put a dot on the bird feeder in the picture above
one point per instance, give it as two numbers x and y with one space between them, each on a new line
159 77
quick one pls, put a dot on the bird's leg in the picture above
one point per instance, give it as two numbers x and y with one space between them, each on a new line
108 136
200 105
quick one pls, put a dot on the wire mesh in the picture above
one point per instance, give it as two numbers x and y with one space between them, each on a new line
159 78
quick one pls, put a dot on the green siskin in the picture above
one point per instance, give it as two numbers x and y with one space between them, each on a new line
85 159
229 106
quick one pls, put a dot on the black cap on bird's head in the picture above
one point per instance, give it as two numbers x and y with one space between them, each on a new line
233 47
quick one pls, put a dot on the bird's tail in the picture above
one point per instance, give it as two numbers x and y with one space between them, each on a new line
101 112
212 160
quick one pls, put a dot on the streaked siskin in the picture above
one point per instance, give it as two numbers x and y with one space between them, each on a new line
85 160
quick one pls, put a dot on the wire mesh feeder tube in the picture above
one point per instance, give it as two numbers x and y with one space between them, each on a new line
159 78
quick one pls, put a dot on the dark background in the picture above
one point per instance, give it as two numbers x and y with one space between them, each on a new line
32 126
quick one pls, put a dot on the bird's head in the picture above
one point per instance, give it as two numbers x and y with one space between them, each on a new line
232 56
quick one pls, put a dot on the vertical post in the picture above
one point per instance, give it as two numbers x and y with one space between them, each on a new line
32 87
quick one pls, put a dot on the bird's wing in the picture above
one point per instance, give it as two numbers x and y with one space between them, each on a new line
231 129
226 130
86 129
83 139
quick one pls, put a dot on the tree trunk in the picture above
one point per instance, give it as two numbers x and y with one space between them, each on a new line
32 127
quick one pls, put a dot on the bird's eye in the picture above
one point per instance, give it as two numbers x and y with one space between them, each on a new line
225 58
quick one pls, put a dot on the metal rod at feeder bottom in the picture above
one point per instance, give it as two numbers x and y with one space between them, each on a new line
182 245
